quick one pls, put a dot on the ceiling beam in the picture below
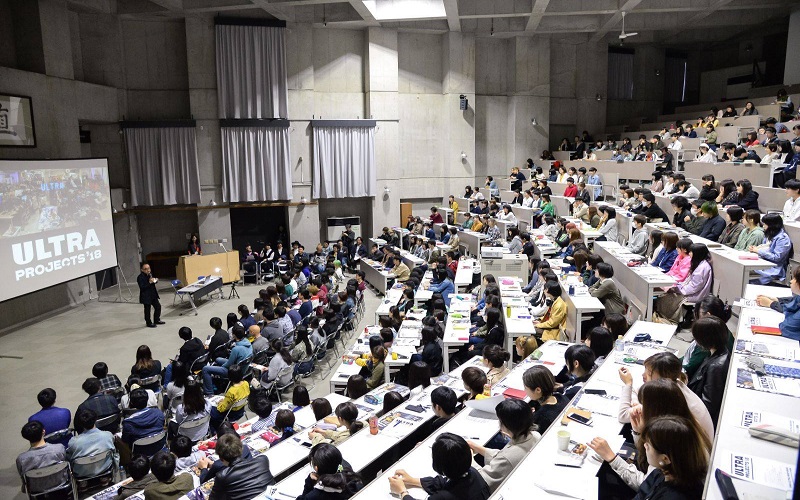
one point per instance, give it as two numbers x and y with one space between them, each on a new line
271 8
171 5
364 12
615 19
537 12
451 10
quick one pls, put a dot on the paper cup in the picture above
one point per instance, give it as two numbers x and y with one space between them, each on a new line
563 440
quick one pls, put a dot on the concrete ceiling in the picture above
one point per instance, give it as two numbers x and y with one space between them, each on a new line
674 22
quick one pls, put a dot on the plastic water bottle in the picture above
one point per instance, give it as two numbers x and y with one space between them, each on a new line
619 348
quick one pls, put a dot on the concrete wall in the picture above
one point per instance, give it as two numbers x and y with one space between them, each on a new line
104 68
648 88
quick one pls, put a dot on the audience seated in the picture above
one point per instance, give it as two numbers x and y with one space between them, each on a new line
516 423
52 418
90 441
241 351
102 404
540 388
169 486
144 422
234 401
138 470
40 454
457 479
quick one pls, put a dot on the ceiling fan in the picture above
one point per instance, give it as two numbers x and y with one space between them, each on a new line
623 35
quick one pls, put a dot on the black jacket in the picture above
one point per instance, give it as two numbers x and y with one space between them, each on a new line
708 381
311 492
677 219
713 228
749 201
470 487
432 355
709 193
243 479
191 350
220 337
655 212
655 488
147 291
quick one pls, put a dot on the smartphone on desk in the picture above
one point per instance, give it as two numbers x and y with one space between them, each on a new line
579 418
597 392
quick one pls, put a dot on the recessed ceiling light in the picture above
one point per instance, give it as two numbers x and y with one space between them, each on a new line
398 10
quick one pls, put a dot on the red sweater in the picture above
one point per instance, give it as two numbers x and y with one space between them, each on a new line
571 191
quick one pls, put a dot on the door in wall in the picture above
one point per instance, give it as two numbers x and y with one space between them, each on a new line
257 225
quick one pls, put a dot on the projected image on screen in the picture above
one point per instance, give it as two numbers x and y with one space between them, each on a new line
55 223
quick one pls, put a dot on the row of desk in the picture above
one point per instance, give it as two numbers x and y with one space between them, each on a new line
538 476
472 425
761 469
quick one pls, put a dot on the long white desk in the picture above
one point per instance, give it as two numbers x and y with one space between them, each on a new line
375 275
474 426
731 271
742 406
638 284
464 272
537 476
456 331
363 448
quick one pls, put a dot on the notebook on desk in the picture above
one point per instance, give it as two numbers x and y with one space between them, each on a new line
765 330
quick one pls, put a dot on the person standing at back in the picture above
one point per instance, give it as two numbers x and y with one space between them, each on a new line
148 296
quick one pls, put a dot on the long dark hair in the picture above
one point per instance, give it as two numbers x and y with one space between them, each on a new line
302 336
193 400
277 346
699 253
419 374
492 317
330 469
144 358
180 372
348 413
774 225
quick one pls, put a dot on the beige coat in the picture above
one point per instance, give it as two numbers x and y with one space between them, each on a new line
499 463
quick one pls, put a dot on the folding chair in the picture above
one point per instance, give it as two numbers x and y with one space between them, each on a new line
109 423
260 357
176 285
58 436
153 383
247 371
187 427
198 364
277 388
249 269
174 403
238 405
267 271
150 445
51 481
95 461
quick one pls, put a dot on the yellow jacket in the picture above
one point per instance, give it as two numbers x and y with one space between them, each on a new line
235 393
553 320
477 226
454 207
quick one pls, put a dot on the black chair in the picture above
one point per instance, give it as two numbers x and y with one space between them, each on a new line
59 436
109 423
53 481
150 445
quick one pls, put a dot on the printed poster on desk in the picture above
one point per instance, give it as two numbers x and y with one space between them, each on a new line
758 470
747 379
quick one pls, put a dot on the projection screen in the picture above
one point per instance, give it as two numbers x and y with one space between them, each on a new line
55 223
